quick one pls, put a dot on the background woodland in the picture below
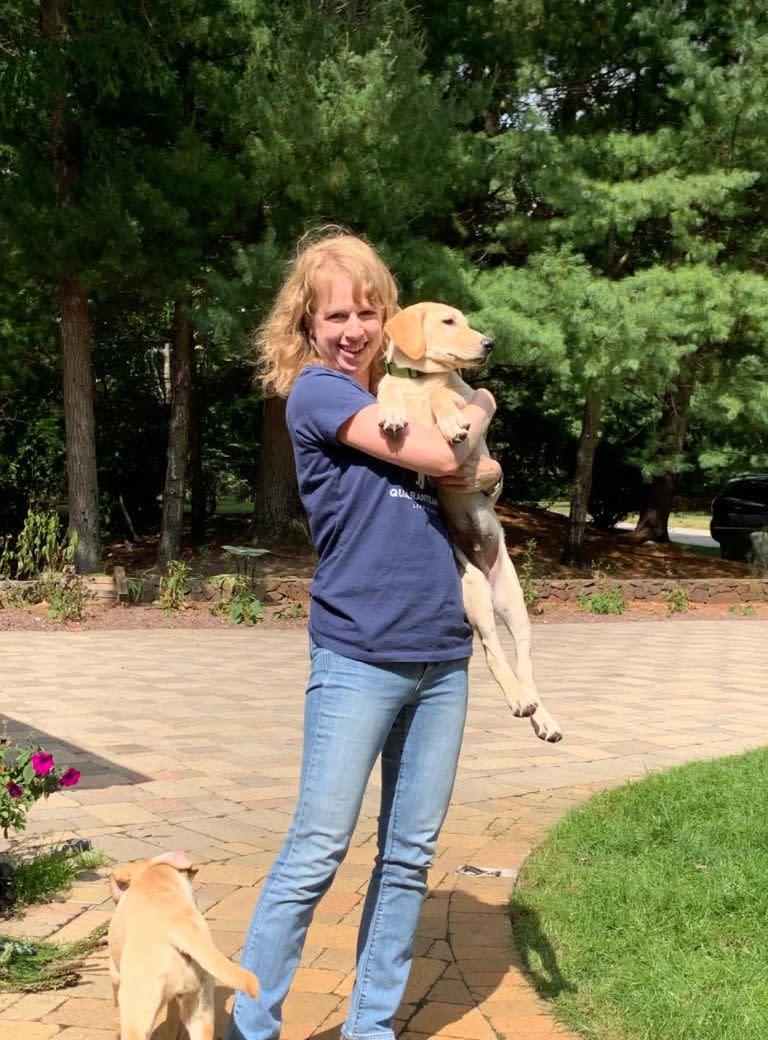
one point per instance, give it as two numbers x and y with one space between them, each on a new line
587 181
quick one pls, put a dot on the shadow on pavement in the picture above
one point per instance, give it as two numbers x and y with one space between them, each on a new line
538 954
480 959
96 771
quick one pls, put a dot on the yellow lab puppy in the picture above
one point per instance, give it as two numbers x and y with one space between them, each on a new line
428 344
161 952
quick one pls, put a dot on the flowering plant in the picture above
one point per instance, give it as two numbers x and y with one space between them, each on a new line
27 773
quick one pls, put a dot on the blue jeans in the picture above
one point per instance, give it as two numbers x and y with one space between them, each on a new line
413 714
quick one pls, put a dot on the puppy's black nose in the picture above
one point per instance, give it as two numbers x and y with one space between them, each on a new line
486 344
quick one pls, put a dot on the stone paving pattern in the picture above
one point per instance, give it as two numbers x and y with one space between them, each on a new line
192 740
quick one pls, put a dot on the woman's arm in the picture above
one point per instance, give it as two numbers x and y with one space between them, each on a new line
478 473
420 448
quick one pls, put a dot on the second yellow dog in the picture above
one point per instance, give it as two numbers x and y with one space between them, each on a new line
161 952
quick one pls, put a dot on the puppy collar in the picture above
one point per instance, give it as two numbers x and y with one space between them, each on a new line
403 373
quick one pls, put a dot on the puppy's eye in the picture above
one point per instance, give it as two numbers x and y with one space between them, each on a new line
449 321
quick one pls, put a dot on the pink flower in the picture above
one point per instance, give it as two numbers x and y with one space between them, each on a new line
14 790
42 763
70 777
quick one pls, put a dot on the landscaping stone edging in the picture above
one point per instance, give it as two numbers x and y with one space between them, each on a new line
277 590
699 590
271 590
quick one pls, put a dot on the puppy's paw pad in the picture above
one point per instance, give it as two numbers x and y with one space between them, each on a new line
453 428
546 728
393 421
523 707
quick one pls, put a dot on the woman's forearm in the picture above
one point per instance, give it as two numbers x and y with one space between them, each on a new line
420 448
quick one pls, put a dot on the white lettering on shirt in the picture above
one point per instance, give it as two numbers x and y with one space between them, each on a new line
419 499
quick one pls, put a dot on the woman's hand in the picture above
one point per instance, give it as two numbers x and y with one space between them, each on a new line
477 473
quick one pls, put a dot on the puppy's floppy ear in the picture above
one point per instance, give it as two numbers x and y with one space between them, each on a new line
121 877
179 860
406 330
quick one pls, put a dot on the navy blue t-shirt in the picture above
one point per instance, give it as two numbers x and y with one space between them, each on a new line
387 586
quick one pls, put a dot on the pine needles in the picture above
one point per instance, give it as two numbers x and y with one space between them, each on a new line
31 965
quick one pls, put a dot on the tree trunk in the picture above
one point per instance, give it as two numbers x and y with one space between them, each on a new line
77 375
196 482
278 512
83 488
653 523
582 481
169 547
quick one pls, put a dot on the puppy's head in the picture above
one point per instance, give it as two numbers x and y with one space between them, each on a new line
436 337
122 876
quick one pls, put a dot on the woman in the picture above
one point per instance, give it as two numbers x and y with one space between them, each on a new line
389 641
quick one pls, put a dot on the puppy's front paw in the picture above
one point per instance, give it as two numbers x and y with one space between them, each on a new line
453 427
393 420
525 704
545 727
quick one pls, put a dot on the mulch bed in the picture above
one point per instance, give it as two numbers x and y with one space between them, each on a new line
199 616
616 553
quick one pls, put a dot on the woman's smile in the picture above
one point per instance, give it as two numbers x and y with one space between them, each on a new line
347 332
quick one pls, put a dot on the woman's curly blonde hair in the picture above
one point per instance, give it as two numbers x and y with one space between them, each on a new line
283 341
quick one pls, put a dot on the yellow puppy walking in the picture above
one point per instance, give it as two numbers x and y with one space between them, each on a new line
428 344
161 952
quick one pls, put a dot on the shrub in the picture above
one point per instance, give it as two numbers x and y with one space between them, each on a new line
27 773
41 547
43 552
65 596
240 602
604 601
678 600
529 573
245 607
135 587
172 589
49 871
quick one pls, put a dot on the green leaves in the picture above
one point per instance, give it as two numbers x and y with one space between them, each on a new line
27 773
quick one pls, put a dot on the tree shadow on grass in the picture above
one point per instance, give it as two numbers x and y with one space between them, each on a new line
538 954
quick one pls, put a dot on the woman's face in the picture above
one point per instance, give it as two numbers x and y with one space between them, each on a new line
346 334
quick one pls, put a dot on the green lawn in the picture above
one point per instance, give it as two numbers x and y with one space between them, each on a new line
233 507
644 915
697 520
228 507
702 550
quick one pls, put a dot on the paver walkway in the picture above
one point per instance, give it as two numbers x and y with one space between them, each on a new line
192 740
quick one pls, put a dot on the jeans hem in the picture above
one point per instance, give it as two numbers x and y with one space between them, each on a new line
367 1036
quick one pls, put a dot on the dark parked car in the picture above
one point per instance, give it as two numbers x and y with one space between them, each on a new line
738 510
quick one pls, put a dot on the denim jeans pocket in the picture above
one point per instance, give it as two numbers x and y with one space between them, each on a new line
320 663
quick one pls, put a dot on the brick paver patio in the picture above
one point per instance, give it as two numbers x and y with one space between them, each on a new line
192 740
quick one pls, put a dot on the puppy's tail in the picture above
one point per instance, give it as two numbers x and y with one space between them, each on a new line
194 940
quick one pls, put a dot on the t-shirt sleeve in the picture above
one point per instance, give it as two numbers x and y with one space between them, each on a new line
320 402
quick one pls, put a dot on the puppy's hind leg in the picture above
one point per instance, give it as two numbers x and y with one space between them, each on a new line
115 978
509 602
140 1001
479 609
197 1011
171 1029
